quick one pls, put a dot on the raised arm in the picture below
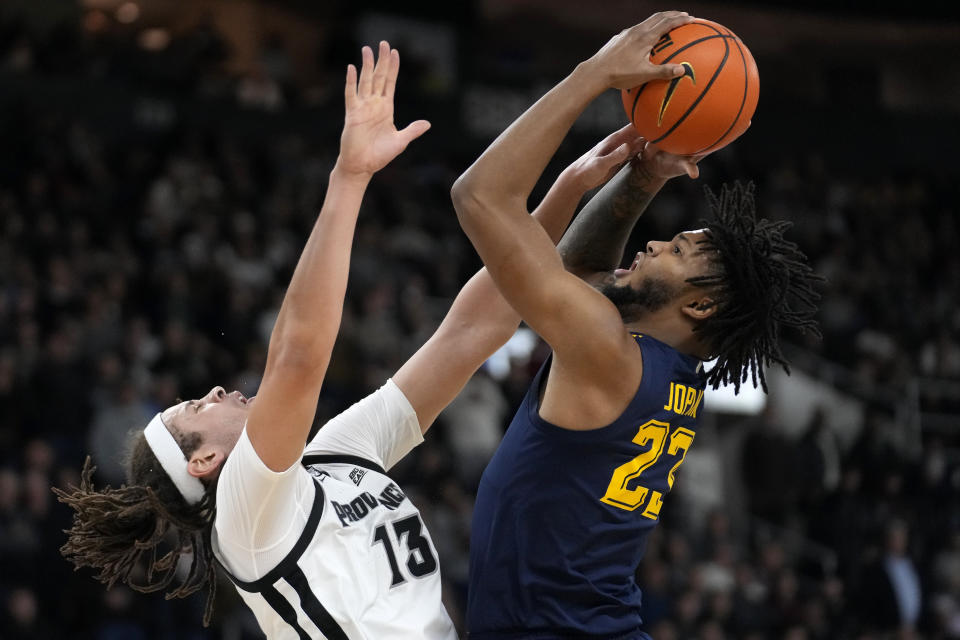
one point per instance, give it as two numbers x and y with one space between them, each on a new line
480 321
490 199
309 317
594 245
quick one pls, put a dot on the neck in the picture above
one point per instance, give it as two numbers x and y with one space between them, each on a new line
679 335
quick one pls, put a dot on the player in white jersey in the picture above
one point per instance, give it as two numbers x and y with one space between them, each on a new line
318 540
344 553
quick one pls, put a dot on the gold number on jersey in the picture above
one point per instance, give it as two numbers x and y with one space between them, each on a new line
654 435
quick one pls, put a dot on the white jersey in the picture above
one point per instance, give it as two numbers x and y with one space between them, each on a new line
332 548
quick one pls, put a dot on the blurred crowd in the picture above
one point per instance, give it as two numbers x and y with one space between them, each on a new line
858 544
136 270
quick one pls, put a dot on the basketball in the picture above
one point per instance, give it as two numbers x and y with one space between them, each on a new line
710 105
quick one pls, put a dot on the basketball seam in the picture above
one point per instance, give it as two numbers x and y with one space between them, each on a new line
743 101
713 79
678 52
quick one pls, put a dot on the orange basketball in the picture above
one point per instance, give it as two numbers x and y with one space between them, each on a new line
710 105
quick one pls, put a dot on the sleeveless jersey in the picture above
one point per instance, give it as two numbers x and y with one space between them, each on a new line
364 565
562 517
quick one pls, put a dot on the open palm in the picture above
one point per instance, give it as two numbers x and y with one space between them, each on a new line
370 140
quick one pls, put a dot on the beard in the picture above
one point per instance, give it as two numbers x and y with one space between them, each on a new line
651 295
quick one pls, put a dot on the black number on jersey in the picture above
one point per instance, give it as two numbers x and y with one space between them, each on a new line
420 561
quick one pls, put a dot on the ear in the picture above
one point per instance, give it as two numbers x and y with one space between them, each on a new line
205 461
700 308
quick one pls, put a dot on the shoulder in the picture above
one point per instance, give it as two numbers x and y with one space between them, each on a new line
608 357
247 490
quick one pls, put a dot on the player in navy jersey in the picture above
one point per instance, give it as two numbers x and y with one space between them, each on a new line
565 506
316 537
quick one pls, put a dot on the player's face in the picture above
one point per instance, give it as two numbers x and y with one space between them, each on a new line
218 417
671 262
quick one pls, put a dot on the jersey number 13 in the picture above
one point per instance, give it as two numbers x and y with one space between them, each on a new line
420 559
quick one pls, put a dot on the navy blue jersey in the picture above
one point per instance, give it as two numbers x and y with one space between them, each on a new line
562 517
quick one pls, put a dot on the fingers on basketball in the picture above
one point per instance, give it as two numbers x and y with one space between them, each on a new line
707 107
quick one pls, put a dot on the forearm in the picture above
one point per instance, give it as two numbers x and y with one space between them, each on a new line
490 197
557 207
492 193
309 316
598 236
480 300
510 167
478 323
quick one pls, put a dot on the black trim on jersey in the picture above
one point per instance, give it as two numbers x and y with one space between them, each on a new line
357 461
314 610
289 563
284 609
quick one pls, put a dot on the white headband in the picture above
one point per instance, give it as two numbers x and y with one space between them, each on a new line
172 459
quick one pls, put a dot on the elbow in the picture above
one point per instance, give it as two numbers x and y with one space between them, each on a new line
474 341
478 204
466 199
573 262
488 331
303 355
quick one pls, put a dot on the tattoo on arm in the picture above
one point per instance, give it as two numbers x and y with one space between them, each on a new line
598 236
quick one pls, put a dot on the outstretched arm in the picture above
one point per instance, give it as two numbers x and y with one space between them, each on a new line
490 199
309 317
480 321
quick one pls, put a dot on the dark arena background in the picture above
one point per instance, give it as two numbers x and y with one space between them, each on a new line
162 161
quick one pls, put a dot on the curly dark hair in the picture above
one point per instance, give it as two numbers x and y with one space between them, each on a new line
761 284
117 531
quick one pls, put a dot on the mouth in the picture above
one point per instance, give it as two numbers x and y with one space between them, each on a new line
241 398
619 273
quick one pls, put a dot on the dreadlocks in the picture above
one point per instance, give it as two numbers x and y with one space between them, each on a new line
116 531
761 283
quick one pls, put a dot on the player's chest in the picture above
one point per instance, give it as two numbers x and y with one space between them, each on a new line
376 526
358 498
